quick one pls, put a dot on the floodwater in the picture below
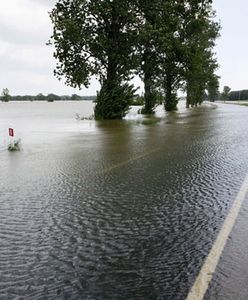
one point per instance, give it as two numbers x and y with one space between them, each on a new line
114 209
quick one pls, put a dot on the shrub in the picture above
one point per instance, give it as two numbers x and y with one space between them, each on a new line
15 146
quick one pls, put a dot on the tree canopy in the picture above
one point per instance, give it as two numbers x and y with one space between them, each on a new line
169 44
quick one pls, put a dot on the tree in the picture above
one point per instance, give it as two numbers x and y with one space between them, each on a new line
5 95
213 88
95 38
238 95
177 39
147 27
199 33
52 97
169 44
75 97
170 51
40 96
225 93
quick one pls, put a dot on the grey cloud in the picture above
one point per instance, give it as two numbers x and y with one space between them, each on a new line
28 58
17 36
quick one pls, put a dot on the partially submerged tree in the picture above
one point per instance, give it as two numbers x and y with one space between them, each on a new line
170 51
199 33
95 38
178 40
169 44
159 49
213 88
148 30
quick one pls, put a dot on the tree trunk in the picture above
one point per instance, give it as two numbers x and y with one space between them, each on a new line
148 82
170 96
111 100
189 97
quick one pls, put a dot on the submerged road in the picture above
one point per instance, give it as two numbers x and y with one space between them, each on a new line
124 209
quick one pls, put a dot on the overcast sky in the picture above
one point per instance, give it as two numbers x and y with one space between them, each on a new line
26 63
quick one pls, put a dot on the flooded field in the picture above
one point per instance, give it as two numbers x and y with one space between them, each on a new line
116 209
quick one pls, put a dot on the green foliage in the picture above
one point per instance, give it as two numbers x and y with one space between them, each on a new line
15 146
113 100
171 102
75 97
40 96
169 44
238 95
199 34
150 102
170 51
213 88
95 38
138 100
5 95
159 97
147 50
176 42
52 97
225 93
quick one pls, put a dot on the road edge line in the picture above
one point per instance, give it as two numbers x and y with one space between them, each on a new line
125 162
206 273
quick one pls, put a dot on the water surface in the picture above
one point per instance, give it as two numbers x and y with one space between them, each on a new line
114 209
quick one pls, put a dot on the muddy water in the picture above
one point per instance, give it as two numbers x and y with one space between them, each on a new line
115 209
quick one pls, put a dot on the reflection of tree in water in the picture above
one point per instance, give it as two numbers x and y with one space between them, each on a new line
117 141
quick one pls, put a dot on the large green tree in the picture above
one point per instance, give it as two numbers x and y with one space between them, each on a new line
95 38
178 39
168 43
213 88
160 45
146 44
170 51
199 32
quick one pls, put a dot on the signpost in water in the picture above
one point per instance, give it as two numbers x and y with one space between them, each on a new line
14 145
11 132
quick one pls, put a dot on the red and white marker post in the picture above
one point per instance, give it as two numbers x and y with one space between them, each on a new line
14 144
11 132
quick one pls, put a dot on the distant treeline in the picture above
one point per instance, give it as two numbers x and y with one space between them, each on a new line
238 95
50 98
229 95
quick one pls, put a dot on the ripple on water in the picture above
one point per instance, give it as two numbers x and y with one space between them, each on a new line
69 229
